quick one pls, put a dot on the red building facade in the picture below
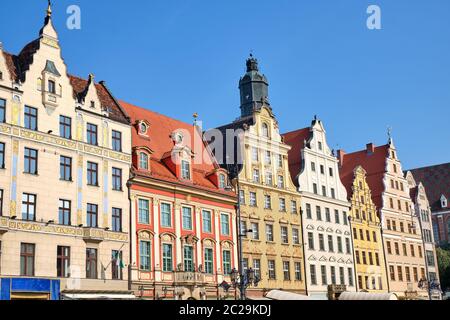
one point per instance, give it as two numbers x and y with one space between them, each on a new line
183 217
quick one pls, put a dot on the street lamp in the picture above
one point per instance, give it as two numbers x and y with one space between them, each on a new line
245 280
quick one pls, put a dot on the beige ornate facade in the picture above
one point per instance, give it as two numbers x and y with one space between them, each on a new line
66 151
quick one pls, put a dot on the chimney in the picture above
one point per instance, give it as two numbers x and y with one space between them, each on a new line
370 147
340 156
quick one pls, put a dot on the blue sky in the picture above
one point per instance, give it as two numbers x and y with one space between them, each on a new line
180 57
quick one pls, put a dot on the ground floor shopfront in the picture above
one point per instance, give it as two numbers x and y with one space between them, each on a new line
29 289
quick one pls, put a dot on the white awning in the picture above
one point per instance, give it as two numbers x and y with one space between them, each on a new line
284 295
97 296
356 296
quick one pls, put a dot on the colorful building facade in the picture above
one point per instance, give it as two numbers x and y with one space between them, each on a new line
327 245
270 205
402 238
183 217
65 156
366 226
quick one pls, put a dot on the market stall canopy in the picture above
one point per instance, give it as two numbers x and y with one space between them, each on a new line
98 295
356 296
284 295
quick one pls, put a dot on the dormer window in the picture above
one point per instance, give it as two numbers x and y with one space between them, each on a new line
143 161
185 170
51 87
320 146
265 130
143 128
444 202
222 181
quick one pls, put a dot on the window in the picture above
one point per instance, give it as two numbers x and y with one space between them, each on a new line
355 233
187 218
331 172
269 232
92 134
2 155
242 197
207 221
255 155
144 255
144 211
92 104
116 220
312 271
28 207
27 254
333 275
313 167
268 157
350 277
256 175
255 231
293 206
405 251
397 249
225 224
342 275
337 217
2 110
279 161
323 271
143 161
286 271
392 273
65 127
430 259
284 235
62 262
330 244
321 242
348 246
374 237
64 212
167 258
413 252
253 202
30 161
298 271
1 203
92 174
280 182
226 255
322 169
320 145
265 130
364 257
308 211
370 258
244 229
91 263
269 179
65 168
222 181
311 241
318 213
257 268
389 247
116 265
327 215
324 191
117 179
209 261
408 274
358 260
51 87
31 118
400 273
282 205
377 259
188 259
333 193
185 170
315 188
271 267
117 141
416 275
92 215
339 244
166 215
345 218
295 236
267 202
367 235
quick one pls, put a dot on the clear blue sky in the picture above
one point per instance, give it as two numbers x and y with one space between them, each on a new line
181 57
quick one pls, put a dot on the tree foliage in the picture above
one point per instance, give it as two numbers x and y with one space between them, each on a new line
443 256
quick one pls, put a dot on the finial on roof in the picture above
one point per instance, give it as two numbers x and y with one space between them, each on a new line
49 9
252 63
91 77
195 115
389 132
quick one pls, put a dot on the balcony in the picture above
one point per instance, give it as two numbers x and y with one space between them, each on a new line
93 235
189 278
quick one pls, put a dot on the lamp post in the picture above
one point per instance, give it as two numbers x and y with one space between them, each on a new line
243 280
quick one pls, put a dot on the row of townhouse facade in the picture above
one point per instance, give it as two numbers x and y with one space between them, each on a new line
100 198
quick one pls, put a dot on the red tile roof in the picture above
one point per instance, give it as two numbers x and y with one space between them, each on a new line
436 180
296 139
375 166
159 140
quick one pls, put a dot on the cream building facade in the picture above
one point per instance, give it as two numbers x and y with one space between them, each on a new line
66 152
270 205
328 245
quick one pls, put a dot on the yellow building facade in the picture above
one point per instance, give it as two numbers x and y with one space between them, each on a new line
270 204
366 228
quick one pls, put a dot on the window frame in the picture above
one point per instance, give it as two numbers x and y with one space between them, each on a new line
65 123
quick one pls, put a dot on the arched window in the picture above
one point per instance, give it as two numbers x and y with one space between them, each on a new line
143 161
265 130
